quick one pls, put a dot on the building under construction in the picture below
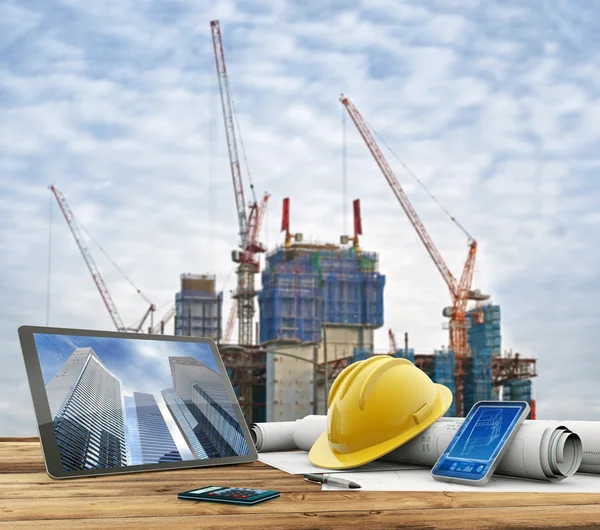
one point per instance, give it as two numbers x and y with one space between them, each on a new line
198 307
318 302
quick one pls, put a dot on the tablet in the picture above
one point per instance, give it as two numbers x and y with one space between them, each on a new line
111 402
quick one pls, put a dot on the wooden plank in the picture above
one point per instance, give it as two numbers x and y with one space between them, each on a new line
81 488
488 517
21 439
316 501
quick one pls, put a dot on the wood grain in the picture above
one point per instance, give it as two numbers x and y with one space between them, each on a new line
29 498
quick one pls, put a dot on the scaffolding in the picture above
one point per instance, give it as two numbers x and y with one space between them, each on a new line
406 354
246 368
198 307
484 329
443 373
308 286
478 380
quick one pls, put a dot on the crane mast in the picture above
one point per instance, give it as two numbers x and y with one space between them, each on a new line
89 261
255 225
460 291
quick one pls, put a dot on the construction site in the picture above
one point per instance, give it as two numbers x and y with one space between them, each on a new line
306 310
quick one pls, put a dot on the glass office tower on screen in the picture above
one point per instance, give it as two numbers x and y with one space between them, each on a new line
156 441
87 411
185 421
205 395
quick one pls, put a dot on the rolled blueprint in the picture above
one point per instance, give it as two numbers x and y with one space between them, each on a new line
288 435
546 451
274 436
589 432
307 430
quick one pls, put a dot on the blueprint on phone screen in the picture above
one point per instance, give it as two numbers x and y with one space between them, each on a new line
488 428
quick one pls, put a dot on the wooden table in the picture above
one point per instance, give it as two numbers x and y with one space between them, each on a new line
30 498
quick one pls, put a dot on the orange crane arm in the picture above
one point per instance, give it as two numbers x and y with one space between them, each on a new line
89 261
364 131
466 280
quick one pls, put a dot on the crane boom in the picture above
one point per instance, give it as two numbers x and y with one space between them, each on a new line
230 322
364 131
168 316
230 130
97 277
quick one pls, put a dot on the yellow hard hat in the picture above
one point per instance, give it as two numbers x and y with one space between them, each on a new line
375 406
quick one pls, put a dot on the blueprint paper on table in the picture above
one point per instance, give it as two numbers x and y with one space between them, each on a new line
421 480
540 450
537 453
297 463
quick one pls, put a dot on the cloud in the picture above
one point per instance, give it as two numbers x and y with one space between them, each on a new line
493 106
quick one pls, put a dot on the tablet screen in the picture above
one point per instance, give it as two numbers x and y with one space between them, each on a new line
120 401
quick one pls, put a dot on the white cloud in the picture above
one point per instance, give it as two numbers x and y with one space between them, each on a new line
494 112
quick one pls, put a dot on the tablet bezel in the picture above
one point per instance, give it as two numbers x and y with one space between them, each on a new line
45 427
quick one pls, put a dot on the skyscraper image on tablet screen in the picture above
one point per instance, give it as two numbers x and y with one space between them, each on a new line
119 402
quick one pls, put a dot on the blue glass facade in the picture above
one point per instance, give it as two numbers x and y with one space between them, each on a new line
132 433
206 397
185 421
87 411
156 442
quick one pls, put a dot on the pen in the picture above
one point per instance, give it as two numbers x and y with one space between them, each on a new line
320 479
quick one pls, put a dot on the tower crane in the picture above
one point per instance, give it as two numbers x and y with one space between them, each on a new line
95 272
460 291
255 230
246 256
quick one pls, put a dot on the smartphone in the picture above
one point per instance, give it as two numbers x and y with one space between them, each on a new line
229 495
480 442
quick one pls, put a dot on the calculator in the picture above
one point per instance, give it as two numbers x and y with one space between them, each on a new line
229 495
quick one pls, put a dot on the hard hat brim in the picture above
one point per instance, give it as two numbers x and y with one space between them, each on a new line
321 454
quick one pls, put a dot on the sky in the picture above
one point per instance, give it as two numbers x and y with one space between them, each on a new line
140 365
493 105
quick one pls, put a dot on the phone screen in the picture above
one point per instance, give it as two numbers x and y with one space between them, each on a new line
473 451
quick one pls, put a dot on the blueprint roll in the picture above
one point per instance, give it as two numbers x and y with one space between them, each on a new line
308 430
546 450
274 436
542 452
589 432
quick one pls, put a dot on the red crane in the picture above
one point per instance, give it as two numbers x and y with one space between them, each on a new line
357 227
93 268
248 223
255 226
392 342
460 291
